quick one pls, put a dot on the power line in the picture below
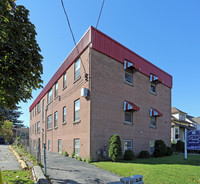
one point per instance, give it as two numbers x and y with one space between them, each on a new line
69 26
98 20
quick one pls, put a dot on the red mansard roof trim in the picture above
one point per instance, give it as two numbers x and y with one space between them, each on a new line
111 48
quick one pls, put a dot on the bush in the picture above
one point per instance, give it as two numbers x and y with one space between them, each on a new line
79 158
180 146
144 154
169 151
129 155
160 148
72 155
84 159
88 160
115 149
65 154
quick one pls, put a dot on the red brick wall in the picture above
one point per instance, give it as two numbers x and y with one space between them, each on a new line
108 93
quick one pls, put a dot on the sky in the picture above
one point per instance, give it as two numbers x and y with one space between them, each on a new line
166 33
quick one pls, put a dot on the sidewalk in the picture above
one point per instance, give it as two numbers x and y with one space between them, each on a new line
65 170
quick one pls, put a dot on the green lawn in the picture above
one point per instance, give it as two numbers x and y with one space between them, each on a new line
17 177
166 170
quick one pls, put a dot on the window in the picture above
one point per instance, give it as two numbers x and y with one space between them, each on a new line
128 117
64 80
49 122
49 145
56 89
77 69
77 110
38 107
128 76
35 110
35 128
152 144
182 117
128 145
153 121
176 133
59 146
50 96
64 114
38 127
43 110
55 119
31 115
77 147
153 88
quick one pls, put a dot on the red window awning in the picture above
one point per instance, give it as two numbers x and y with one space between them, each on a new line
154 78
155 113
130 106
128 64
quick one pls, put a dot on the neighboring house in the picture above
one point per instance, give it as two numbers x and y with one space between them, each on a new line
180 120
197 122
103 89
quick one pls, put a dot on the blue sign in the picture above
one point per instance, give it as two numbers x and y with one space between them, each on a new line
193 140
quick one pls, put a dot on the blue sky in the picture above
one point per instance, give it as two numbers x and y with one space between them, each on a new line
167 33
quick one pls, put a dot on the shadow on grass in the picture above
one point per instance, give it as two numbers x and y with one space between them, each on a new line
168 160
20 181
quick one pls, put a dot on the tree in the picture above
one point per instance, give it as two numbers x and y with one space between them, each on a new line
11 115
6 131
20 58
115 149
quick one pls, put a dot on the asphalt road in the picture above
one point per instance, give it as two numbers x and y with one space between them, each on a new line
7 159
65 170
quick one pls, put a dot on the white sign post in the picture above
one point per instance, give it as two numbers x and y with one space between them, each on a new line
185 143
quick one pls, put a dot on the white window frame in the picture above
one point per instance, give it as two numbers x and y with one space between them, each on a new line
59 145
153 85
130 73
56 119
56 89
76 110
38 127
65 80
50 96
77 68
43 110
77 147
49 145
64 113
130 112
49 122
125 144
151 146
176 128
155 122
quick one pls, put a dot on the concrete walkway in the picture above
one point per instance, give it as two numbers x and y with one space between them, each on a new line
65 170
7 160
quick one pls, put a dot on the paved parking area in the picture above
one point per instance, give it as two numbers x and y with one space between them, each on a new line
7 159
65 170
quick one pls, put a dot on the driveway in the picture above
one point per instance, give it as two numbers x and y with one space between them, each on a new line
7 159
65 170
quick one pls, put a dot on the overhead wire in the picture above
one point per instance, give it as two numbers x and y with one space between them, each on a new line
86 75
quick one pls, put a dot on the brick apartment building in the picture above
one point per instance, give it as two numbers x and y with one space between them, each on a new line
102 90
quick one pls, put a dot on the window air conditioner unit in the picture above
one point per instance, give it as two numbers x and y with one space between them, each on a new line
84 92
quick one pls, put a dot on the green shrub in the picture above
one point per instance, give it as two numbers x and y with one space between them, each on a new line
115 149
72 155
84 159
169 151
129 155
65 154
144 154
180 146
88 160
79 158
160 148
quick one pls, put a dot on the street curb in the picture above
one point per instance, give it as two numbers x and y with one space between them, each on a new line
41 179
22 163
